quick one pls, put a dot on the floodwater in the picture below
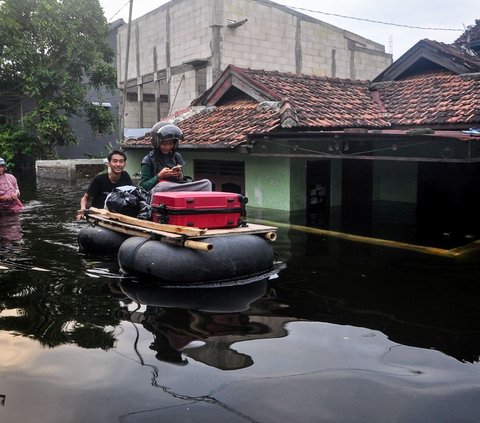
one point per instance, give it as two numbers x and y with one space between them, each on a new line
347 332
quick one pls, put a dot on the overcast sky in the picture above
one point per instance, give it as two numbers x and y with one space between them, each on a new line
397 14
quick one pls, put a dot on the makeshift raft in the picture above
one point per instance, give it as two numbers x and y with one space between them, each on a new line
179 254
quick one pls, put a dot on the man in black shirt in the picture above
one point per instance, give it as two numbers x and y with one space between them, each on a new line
104 183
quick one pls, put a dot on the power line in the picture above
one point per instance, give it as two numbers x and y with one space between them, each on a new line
374 21
119 10
350 17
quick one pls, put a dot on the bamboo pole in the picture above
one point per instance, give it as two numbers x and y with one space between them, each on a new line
456 252
182 230
143 232
270 236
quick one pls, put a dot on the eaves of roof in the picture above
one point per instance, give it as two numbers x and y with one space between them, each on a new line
233 76
370 134
455 59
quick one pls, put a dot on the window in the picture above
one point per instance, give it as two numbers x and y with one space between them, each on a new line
104 105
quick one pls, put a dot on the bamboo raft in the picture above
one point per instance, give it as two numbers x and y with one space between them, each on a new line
185 236
180 254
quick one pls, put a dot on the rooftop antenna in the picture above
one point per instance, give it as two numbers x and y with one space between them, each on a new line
390 44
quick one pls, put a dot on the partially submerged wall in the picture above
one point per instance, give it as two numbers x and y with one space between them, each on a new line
69 169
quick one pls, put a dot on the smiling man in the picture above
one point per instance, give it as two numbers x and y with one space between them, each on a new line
104 183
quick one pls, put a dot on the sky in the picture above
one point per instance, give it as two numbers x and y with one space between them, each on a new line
449 18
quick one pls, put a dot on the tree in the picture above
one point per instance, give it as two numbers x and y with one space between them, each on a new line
14 141
54 51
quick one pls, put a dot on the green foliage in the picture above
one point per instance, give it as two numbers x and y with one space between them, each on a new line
100 119
55 51
13 141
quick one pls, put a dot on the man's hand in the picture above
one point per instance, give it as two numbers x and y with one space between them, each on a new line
81 214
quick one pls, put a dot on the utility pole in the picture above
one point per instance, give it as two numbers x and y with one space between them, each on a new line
124 96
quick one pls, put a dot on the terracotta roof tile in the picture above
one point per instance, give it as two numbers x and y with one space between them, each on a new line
324 102
432 98
229 123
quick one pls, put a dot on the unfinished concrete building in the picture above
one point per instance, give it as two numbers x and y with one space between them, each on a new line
178 50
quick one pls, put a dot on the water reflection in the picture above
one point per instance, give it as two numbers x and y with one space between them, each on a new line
224 299
10 228
431 320
416 300
56 313
201 323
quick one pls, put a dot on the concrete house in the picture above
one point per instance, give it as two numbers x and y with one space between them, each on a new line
342 149
181 48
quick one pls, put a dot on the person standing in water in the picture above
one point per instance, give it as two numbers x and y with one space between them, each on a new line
9 192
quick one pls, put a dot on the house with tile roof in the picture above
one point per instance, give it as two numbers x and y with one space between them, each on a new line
296 142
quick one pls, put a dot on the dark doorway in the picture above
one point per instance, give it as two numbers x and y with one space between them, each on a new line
357 196
318 193
447 204
226 176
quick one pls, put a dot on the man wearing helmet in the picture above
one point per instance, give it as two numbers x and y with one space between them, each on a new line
162 167
9 191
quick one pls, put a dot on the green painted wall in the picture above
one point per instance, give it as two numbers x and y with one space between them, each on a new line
336 183
270 182
278 183
298 178
134 158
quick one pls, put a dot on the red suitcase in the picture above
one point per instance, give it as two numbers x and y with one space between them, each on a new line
201 209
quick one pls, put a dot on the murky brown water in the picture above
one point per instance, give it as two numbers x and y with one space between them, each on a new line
348 332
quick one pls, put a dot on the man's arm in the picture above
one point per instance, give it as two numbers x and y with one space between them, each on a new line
83 206
84 201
